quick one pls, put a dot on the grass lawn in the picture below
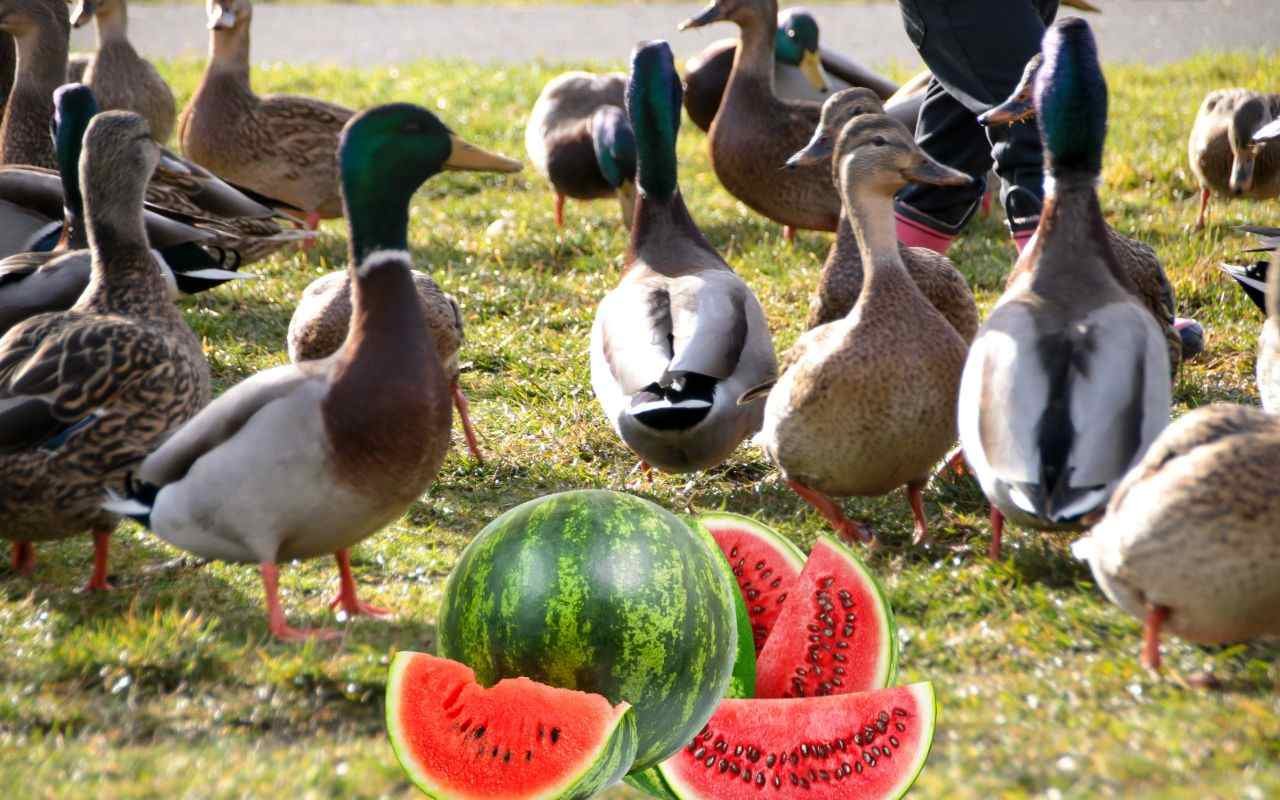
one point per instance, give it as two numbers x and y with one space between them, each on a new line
169 686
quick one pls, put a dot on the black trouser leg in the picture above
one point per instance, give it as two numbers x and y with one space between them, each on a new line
976 50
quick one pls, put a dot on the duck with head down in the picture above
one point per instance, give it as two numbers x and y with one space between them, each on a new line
309 459
1067 382
1225 157
579 139
118 76
867 403
682 336
280 146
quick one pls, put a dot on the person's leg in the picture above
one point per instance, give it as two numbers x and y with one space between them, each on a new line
976 50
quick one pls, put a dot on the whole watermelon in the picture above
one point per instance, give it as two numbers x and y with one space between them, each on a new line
603 592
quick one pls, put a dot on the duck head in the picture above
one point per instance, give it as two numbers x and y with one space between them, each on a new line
742 12
82 11
1245 122
837 110
614 144
877 154
654 94
1071 99
116 166
1020 106
384 155
229 15
74 106
796 45
21 18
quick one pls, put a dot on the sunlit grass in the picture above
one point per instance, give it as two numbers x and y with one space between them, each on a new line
170 686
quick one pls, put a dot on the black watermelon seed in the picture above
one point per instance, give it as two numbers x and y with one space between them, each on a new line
739 750
847 630
794 780
555 735
506 757
724 765
899 727
746 774
478 732
804 750
770 761
528 755
775 583
857 766
709 762
893 740
760 780
494 754
899 712
734 768
699 753
777 782
782 597
842 645
733 552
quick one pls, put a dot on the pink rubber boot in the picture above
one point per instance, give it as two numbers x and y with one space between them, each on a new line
915 234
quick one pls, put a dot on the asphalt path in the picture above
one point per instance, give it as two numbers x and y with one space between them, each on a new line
1152 31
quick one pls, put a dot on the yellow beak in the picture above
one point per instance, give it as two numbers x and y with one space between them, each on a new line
466 156
811 66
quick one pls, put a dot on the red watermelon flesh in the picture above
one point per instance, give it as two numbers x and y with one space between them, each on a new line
866 746
517 739
765 564
835 634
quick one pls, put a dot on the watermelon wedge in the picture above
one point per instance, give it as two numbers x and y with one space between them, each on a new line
866 746
765 564
517 739
836 632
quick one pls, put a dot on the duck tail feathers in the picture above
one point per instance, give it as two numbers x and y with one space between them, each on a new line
136 503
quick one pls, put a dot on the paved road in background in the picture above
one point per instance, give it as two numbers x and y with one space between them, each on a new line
1129 30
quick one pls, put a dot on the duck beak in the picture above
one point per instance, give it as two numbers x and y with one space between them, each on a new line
1015 109
816 151
220 18
1242 172
811 67
627 198
82 12
928 171
468 157
710 14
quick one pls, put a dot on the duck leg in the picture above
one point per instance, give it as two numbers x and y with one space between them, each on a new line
1204 208
24 558
915 496
464 409
997 532
1156 616
955 465
101 546
851 530
312 223
276 622
789 233
559 210
346 598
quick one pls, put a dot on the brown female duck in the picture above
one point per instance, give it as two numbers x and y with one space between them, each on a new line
87 393
755 131
842 274
867 403
118 76
1224 156
40 29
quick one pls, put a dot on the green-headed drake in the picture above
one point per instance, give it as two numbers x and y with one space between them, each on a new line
85 394
309 459
1067 382
682 336
802 70
578 137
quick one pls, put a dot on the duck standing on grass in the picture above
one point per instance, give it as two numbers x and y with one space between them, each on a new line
118 76
280 146
311 458
682 336
578 137
1226 156
1067 382
867 403
85 394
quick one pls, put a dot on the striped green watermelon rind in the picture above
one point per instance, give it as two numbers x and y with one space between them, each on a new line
786 719
600 767
651 783
603 592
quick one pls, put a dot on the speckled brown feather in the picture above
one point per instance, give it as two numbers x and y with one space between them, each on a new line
1209 148
319 324
41 29
121 79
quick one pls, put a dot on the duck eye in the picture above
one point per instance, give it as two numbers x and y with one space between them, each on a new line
879 141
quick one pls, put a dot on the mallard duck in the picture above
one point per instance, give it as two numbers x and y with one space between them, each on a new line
52 280
1224 156
320 322
311 458
40 29
1269 347
1191 539
802 71
842 274
755 131
867 403
578 138
1138 261
1252 278
118 76
87 393
1067 382
681 337
280 146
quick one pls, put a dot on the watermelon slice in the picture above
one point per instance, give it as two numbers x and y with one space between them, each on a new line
835 634
866 746
517 739
765 563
